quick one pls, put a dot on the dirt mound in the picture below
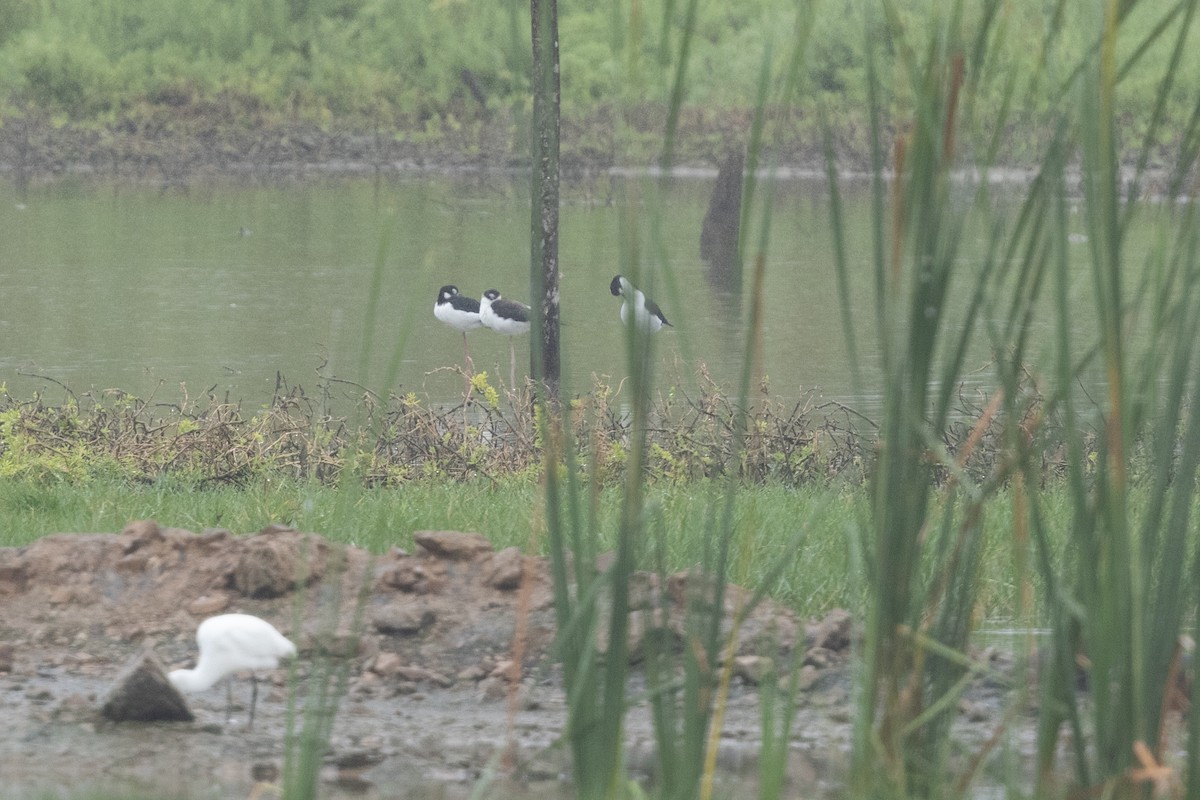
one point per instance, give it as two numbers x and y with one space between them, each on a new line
434 652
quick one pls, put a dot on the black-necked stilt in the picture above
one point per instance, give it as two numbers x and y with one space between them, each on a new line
508 317
649 316
459 312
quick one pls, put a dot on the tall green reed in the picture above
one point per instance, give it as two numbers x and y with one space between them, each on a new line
920 550
1119 608
1116 612
687 679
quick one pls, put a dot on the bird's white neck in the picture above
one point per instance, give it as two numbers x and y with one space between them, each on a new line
193 680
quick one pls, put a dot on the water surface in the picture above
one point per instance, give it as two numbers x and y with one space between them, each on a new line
222 286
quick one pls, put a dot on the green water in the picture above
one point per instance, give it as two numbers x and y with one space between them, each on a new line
221 286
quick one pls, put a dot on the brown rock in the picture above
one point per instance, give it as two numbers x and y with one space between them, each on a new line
272 562
418 674
635 636
453 545
504 569
386 663
402 619
142 693
697 589
818 657
208 604
753 669
493 688
139 532
410 575
7 652
133 563
472 673
834 631
504 670
806 679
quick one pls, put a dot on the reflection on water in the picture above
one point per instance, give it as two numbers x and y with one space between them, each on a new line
223 285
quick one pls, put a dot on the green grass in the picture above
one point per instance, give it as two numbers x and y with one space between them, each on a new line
432 69
766 518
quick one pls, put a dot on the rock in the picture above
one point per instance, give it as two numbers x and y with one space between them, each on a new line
402 619
74 708
504 670
139 532
339 644
635 637
504 569
208 604
366 684
7 651
818 657
805 680
472 673
142 693
834 631
417 674
493 688
752 669
386 663
357 759
692 588
273 561
452 545
265 772
412 576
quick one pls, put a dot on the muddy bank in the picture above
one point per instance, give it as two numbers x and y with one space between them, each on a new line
175 146
431 676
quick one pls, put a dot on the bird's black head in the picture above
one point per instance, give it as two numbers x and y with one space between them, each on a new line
615 286
446 292
492 294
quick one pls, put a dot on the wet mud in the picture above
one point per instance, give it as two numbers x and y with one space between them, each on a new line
435 702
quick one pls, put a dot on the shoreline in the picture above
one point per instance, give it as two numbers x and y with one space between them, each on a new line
35 153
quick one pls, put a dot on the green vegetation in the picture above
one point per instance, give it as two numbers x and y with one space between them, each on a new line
427 68
381 518
1025 509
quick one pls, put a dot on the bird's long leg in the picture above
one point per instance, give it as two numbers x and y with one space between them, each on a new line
467 355
228 699
253 699
512 367
469 386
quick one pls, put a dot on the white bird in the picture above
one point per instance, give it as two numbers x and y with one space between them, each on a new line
508 317
231 643
459 312
649 316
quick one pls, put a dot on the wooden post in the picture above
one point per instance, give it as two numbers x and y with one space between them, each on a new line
543 267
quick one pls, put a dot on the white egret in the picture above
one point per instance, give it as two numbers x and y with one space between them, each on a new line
232 643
